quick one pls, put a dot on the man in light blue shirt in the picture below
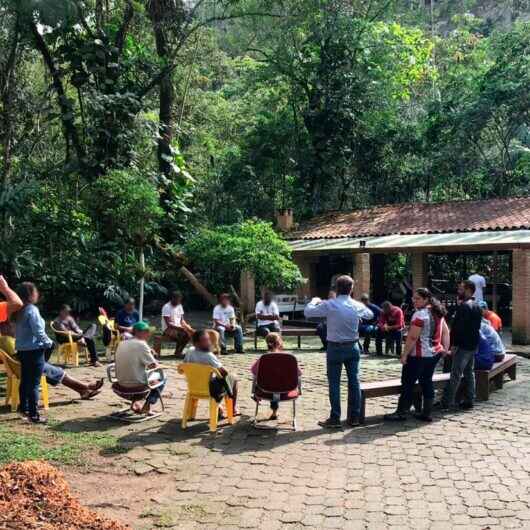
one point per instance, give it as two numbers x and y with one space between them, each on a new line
342 315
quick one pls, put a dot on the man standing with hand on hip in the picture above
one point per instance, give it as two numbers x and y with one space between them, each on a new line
342 315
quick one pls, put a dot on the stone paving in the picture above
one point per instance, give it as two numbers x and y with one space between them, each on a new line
465 470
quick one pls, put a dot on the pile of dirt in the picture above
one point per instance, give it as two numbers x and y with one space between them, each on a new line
36 495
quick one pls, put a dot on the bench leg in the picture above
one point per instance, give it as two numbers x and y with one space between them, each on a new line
299 342
483 386
362 417
512 372
255 341
499 381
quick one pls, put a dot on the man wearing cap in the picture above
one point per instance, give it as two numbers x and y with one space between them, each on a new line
133 358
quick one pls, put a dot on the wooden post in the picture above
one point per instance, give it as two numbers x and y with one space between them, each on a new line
494 270
361 274
521 296
419 266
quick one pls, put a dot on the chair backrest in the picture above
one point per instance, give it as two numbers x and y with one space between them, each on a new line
12 366
198 377
57 332
277 373
7 344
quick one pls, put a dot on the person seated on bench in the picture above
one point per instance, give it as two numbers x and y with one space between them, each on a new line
494 319
174 327
368 328
133 358
201 353
322 328
268 315
390 328
490 347
127 317
274 345
224 321
427 338
66 322
55 375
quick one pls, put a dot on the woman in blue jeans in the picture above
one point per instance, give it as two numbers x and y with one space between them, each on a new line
32 344
427 339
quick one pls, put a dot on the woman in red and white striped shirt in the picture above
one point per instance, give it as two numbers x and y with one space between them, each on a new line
427 339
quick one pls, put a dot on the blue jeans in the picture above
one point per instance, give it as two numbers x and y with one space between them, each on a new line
462 366
32 367
154 395
346 354
237 333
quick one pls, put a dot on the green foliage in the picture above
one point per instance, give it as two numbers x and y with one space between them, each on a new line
220 254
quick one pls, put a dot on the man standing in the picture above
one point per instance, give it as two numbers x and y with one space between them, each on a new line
389 327
367 328
224 321
480 285
268 315
343 315
465 336
174 326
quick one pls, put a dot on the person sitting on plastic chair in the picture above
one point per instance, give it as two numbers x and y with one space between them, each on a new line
201 353
134 361
274 345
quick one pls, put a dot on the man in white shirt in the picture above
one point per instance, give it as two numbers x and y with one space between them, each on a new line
343 315
174 327
268 315
480 286
224 321
133 358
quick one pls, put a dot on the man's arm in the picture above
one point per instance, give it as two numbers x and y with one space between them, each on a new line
316 308
14 303
365 313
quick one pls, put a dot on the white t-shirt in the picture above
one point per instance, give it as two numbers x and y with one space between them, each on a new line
480 285
132 359
223 314
271 309
174 313
196 356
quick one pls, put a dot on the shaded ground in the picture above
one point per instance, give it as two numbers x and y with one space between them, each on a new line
468 470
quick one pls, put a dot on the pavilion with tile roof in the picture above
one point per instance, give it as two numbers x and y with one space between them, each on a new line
419 229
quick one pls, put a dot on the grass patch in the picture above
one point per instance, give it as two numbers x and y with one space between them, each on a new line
62 448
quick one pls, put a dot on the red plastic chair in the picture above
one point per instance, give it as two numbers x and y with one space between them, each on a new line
277 380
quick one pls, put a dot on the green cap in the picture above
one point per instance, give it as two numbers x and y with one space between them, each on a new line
141 326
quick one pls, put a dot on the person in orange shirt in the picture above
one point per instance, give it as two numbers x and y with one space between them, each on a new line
12 302
494 319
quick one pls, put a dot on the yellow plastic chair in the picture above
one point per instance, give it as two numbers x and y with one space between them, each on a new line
13 383
110 349
198 379
69 351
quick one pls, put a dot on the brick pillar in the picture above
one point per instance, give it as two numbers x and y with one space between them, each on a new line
419 270
248 291
305 265
521 296
361 273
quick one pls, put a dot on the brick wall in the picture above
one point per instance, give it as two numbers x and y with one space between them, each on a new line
419 270
361 273
521 297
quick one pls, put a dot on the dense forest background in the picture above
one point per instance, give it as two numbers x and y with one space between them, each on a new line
132 128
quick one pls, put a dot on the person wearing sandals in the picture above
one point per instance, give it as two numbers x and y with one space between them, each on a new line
55 375
427 340
274 345
32 344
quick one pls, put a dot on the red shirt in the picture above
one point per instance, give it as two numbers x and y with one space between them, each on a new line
3 312
395 319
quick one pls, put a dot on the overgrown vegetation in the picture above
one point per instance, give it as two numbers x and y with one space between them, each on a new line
130 128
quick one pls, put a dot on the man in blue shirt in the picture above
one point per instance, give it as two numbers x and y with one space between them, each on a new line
342 315
127 317
368 328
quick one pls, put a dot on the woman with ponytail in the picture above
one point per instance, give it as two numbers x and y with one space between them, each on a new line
32 345
427 339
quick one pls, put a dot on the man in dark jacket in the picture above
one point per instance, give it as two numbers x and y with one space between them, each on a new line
465 336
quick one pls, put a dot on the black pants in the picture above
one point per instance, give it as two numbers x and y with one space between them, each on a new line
418 369
263 331
322 332
393 337
32 367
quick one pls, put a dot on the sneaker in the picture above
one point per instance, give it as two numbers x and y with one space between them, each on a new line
353 422
423 417
466 405
395 416
97 364
440 405
38 419
330 423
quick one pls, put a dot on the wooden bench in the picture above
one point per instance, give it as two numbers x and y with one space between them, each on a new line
486 379
392 387
287 332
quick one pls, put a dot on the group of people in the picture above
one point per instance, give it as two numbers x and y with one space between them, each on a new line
428 340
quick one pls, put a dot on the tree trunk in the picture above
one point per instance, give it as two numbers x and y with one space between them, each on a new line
142 283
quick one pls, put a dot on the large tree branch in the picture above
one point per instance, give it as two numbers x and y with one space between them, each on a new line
128 15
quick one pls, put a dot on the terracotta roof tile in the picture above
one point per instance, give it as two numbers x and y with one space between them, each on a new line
510 213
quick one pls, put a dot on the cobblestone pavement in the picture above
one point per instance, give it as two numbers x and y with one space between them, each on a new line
465 470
